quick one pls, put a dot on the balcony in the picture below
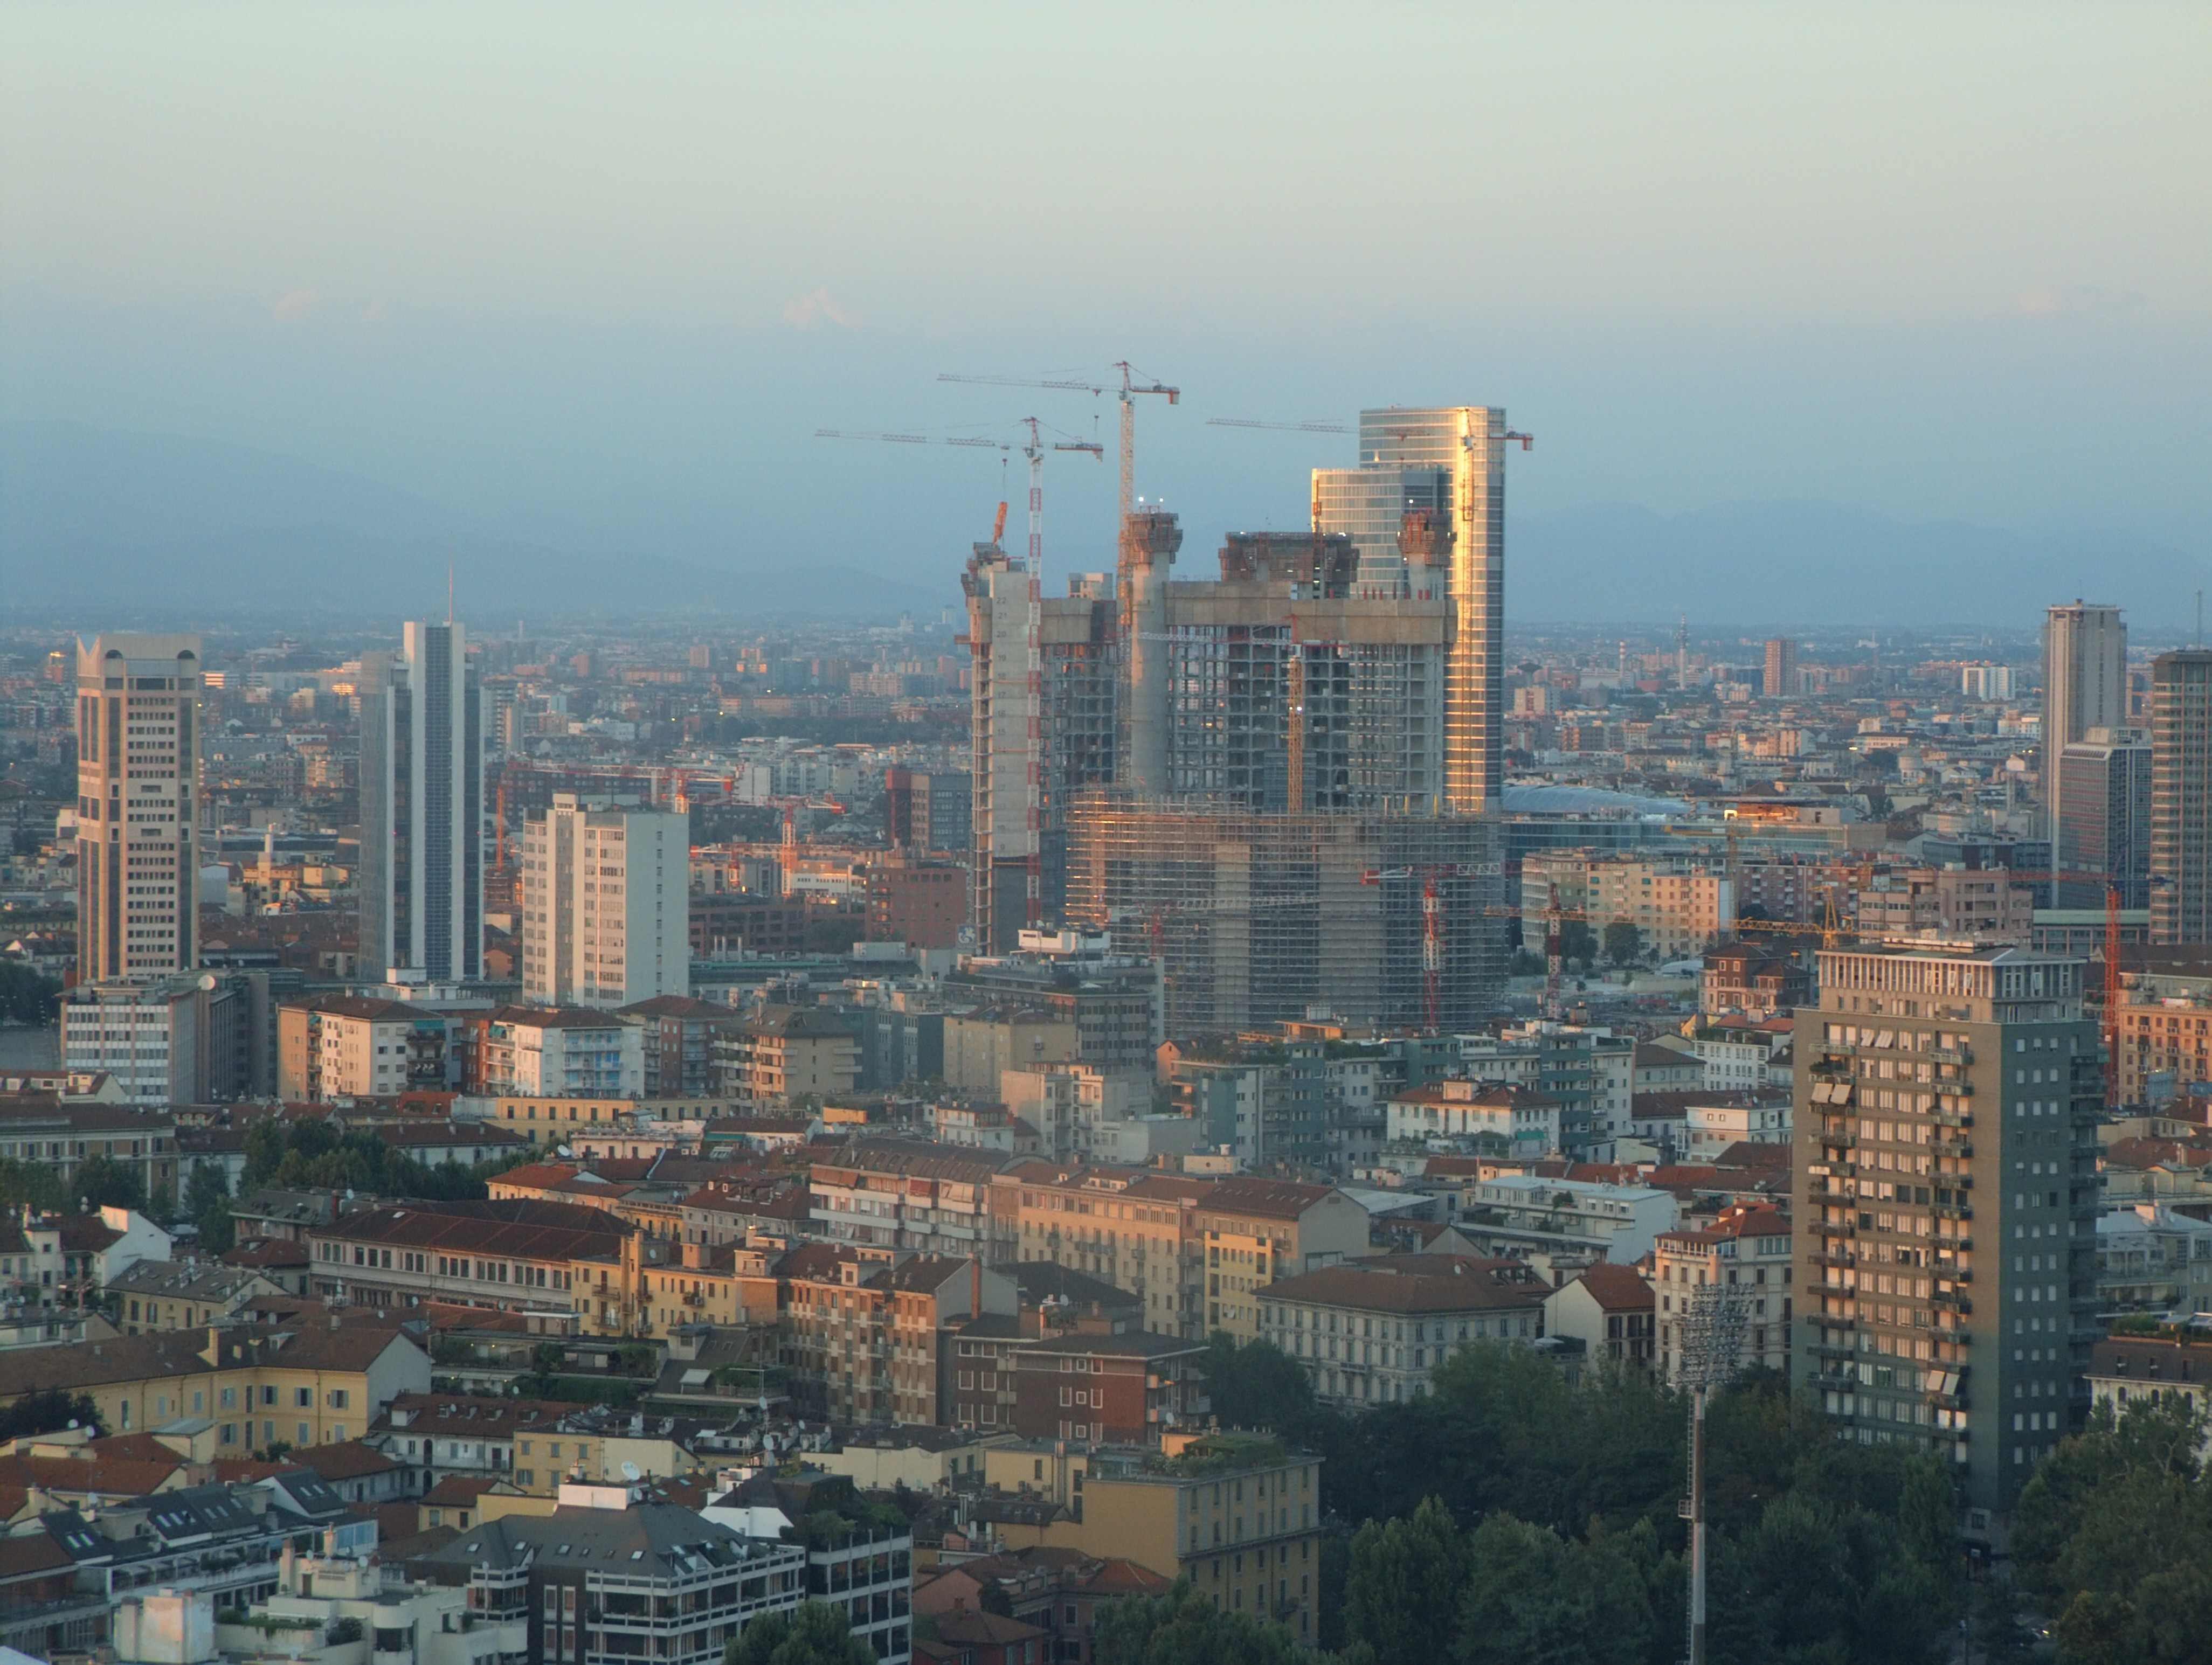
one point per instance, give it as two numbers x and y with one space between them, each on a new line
1834 1228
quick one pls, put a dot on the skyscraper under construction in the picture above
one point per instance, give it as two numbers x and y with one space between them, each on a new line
1328 707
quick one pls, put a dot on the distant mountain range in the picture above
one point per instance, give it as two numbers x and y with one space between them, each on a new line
196 528
89 515
1799 564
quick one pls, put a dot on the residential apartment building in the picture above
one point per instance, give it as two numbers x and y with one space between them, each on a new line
2102 833
1110 1389
1747 1250
2153 1259
1982 903
606 889
1679 907
1253 1231
422 808
1738 978
1494 1118
50 1132
863 1330
1711 1122
312 1385
1945 1187
1374 1331
548 1257
2165 1022
2181 787
1193 1251
787 1055
356 1046
1236 1514
678 1034
1563 1224
1609 1309
2126 1369
896 1194
137 843
561 1052
637 1575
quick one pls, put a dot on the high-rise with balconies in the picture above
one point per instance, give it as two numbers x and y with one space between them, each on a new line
1946 1202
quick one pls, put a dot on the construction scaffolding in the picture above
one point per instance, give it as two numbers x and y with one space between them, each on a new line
1382 916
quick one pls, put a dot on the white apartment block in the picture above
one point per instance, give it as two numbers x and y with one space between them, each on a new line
1565 1220
1747 1250
562 1052
606 890
1503 1116
1712 1125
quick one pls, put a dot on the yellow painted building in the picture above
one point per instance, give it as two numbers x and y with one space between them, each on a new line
312 1386
1236 1514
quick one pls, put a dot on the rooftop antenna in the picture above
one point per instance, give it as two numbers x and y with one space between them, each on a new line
449 591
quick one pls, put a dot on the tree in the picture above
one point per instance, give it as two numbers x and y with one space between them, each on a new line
1998 1635
1577 940
1532 1596
31 1183
265 1143
1184 1627
27 995
816 1634
1402 1587
1624 941
47 1411
207 1205
1256 1385
101 1181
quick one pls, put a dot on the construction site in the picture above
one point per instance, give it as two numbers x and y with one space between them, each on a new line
1262 917
1283 777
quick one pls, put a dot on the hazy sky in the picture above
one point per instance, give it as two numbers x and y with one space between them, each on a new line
598 262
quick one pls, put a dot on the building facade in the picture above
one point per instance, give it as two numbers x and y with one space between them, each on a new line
422 808
137 847
606 886
2181 797
1945 1186
2084 687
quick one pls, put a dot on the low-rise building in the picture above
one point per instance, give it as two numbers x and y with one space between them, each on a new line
787 1055
560 1052
1608 1309
1502 1118
357 1046
637 1575
1564 1222
679 1033
508 1256
2128 1368
864 1330
2152 1259
170 1295
296 1386
1745 1250
1375 1331
1238 1514
1124 1389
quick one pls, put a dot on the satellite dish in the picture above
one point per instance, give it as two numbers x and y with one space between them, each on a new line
630 1472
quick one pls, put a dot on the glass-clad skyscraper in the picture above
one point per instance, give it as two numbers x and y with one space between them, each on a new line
1407 455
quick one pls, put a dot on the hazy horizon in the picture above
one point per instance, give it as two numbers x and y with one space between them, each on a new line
602 277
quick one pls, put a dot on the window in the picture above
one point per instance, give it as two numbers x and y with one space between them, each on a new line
303 1399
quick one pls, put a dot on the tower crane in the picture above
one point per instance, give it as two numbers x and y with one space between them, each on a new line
1281 427
1432 922
1134 382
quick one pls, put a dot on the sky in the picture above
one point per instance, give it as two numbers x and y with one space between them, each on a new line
613 265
